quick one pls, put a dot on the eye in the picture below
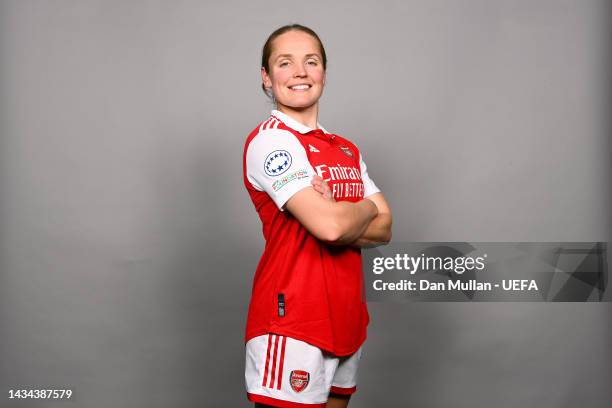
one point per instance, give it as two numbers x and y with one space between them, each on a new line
312 62
284 63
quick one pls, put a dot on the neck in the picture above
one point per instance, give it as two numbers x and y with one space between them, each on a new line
306 116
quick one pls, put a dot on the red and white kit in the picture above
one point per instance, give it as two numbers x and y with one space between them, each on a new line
304 291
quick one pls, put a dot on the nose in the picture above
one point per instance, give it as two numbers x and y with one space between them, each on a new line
300 71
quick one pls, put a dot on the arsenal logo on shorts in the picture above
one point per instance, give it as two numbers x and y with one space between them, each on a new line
299 380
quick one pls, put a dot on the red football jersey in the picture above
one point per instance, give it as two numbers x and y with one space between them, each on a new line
304 288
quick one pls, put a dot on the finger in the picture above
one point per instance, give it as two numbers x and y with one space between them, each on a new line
326 190
316 182
319 188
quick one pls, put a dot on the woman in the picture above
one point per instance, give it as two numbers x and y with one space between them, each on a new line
307 317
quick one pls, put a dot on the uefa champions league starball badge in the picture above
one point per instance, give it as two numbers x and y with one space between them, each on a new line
277 163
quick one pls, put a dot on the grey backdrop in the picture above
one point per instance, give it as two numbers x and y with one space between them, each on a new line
128 242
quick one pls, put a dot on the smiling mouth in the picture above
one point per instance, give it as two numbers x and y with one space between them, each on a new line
301 87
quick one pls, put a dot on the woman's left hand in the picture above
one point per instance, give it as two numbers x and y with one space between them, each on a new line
322 188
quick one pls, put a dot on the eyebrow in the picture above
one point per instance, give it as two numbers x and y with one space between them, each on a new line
291 55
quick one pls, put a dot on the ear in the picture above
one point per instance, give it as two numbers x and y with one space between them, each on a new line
265 78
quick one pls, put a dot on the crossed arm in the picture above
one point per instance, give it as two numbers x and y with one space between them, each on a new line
378 231
365 223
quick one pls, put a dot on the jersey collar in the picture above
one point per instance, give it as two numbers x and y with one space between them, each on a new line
294 124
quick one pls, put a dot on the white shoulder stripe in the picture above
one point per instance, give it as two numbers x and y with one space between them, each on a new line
264 125
270 123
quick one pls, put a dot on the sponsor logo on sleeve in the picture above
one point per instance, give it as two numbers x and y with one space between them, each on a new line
299 380
277 163
282 182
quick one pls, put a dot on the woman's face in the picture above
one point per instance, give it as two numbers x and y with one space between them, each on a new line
296 74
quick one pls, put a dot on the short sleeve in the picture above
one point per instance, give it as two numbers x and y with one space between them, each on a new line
276 163
369 187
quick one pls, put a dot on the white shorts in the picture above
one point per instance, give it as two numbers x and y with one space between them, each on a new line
285 372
